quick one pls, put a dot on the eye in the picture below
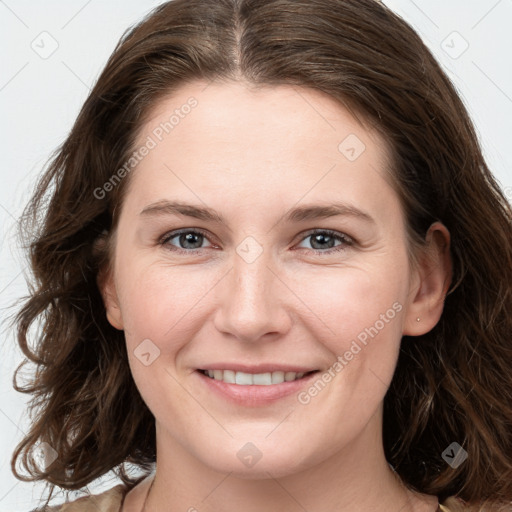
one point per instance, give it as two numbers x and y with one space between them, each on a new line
189 240
323 241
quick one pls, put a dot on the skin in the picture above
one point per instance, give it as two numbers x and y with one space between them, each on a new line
252 155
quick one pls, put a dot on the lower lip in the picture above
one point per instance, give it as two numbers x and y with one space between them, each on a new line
254 395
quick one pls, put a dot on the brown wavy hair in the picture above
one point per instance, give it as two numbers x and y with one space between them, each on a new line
451 384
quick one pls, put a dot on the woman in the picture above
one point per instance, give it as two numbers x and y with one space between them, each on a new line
337 336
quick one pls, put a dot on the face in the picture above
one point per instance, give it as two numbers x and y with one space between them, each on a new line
287 255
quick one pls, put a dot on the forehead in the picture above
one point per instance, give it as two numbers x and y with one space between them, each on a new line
241 111
232 137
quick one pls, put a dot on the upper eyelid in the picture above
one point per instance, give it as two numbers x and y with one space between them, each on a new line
175 232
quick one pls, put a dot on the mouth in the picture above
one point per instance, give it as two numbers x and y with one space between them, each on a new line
254 385
255 379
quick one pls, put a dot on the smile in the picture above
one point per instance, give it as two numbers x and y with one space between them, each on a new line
254 389
259 379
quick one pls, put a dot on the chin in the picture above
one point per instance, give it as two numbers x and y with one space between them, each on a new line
250 463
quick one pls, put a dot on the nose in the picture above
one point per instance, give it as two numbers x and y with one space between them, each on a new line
252 301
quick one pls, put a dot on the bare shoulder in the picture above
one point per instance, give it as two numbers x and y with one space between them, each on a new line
107 501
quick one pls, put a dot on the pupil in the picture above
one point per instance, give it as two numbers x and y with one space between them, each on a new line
189 238
322 238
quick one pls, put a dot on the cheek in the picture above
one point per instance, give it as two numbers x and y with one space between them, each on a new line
161 306
349 302
162 302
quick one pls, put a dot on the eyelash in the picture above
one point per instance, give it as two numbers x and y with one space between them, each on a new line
341 237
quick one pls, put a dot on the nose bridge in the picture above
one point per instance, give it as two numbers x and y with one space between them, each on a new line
252 278
251 304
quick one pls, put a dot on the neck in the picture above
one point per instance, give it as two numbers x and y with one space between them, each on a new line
355 478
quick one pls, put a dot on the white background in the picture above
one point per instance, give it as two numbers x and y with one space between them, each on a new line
40 98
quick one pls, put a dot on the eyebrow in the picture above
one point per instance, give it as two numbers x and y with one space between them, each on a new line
297 214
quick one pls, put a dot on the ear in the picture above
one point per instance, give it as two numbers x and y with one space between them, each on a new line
108 291
430 283
107 287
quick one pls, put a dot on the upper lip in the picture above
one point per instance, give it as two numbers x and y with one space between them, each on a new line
258 368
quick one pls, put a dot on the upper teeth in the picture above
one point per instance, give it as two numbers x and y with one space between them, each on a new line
263 379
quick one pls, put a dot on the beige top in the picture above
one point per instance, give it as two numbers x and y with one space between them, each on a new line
112 501
108 501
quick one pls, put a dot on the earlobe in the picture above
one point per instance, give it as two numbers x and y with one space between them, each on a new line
105 282
434 275
108 291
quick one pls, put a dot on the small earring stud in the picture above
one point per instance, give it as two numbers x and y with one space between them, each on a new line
418 319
